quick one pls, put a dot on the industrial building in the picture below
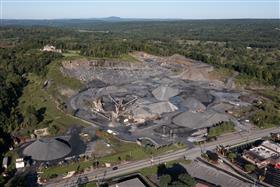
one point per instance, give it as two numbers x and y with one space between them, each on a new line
47 149
261 156
135 182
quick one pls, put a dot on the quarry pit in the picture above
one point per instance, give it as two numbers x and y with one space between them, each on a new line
164 99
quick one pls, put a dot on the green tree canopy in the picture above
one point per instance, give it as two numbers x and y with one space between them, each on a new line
249 168
164 180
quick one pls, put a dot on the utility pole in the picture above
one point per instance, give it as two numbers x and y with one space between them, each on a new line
104 176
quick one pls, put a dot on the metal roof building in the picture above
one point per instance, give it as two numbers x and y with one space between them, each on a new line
135 182
48 149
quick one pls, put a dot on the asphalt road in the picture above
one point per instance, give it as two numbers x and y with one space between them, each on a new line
106 173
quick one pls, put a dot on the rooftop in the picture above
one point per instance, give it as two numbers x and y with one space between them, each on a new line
48 149
272 146
267 152
135 182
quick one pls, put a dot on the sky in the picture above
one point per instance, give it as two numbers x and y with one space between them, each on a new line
185 9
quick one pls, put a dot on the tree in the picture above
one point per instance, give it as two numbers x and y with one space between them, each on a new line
31 116
212 156
249 168
120 159
187 180
164 180
161 170
128 157
53 129
232 156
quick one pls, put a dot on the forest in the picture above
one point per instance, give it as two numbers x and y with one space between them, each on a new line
250 47
15 63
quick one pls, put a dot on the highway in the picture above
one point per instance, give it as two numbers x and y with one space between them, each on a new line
106 173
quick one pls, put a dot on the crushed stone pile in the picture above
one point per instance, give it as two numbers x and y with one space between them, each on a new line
164 93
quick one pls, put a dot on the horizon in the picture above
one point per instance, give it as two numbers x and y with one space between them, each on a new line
139 9
132 18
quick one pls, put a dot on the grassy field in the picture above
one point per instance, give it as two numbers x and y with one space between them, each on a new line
223 128
71 53
91 184
131 150
60 170
123 57
34 94
127 57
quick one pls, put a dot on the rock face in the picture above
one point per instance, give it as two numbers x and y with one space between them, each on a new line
110 72
48 149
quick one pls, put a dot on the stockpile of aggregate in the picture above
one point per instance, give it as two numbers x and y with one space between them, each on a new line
195 120
164 93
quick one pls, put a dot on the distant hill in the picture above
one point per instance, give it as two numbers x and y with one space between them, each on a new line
63 22
81 23
112 18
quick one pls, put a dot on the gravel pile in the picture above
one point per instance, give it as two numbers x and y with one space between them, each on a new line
199 120
164 93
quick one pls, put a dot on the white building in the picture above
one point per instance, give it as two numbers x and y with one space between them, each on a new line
20 163
51 48
268 152
5 162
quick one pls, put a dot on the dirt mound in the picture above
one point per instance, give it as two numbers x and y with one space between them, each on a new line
179 59
197 72
66 91
186 68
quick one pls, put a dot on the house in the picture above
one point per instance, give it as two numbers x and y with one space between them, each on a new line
5 162
51 48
